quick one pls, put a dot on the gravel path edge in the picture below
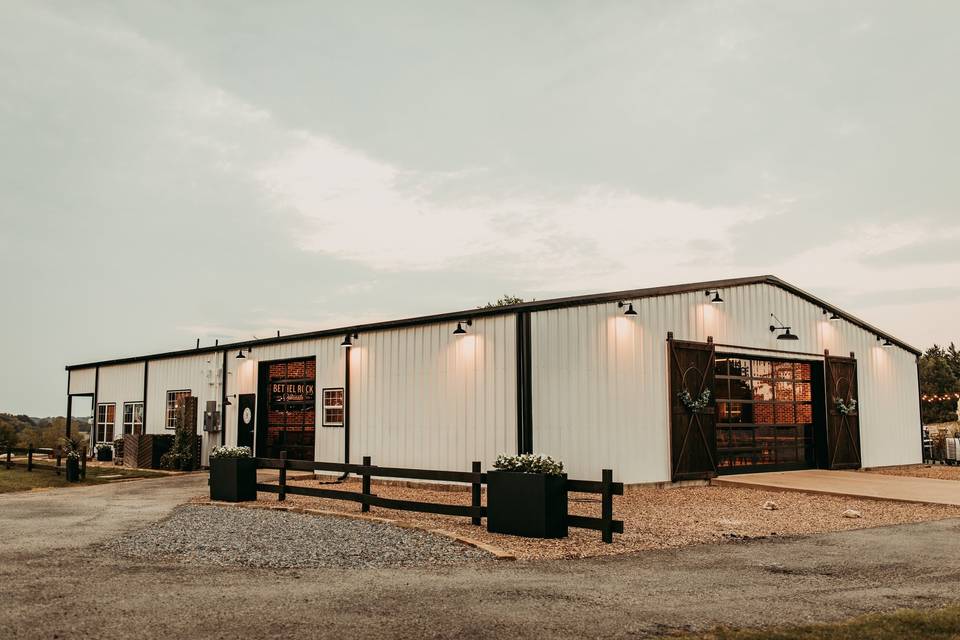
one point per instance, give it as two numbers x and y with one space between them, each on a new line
493 550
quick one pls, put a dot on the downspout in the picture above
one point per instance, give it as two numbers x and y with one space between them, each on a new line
346 412
223 401
146 376
920 409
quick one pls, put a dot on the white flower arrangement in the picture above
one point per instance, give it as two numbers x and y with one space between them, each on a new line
846 409
102 446
231 452
529 463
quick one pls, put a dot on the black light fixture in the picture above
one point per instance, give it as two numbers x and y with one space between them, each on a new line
347 342
240 355
460 331
226 400
786 335
716 296
833 314
886 342
629 305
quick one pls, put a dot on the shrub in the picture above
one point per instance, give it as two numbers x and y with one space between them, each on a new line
529 463
71 448
118 447
231 452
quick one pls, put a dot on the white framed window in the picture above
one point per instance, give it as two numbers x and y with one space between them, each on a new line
175 400
333 407
106 419
132 418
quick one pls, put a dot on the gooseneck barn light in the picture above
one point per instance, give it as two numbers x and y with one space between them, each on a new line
716 296
833 314
460 331
786 335
629 305
347 342
240 355
886 342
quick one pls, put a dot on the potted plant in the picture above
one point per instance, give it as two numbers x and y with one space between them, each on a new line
527 496
71 453
233 474
104 452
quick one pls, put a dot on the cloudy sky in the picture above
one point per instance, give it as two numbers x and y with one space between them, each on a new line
178 170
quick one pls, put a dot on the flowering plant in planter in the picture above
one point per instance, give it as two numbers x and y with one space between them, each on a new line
529 463
71 448
231 452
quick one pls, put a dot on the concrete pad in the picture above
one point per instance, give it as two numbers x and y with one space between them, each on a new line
851 483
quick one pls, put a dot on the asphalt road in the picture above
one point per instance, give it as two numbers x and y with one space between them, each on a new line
53 584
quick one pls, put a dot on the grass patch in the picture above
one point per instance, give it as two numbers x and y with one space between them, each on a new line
19 479
931 624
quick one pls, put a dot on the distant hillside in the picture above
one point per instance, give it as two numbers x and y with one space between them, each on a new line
22 430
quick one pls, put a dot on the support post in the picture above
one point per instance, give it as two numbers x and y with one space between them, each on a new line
365 483
69 410
607 505
83 462
29 457
475 491
59 454
282 495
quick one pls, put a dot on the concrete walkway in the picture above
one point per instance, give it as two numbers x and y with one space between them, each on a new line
852 483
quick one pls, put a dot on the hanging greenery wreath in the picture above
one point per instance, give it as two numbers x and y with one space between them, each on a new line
846 409
695 406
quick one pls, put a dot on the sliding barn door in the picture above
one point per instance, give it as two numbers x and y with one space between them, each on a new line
843 424
693 435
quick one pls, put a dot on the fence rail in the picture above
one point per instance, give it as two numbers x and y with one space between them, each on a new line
30 451
476 478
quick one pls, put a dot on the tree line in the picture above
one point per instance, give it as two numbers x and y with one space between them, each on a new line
23 430
939 375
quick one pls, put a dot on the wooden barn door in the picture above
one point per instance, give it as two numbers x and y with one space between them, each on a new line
843 429
693 437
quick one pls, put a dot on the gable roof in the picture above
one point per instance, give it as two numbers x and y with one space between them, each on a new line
537 305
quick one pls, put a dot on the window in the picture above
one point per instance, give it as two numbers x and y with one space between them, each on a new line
175 400
132 418
106 418
333 407
764 412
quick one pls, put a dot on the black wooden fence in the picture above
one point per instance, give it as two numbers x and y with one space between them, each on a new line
54 453
476 478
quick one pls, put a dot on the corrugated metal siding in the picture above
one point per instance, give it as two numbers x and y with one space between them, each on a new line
422 397
119 384
600 378
83 380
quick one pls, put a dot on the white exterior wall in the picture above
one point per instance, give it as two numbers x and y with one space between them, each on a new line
83 380
424 398
421 397
600 379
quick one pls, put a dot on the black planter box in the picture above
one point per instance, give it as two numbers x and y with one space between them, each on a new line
104 454
233 479
73 470
527 504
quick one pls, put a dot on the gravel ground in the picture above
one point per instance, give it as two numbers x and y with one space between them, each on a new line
656 518
936 471
227 536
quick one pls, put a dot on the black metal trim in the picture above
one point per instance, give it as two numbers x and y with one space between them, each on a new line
223 400
542 305
146 388
524 385
346 408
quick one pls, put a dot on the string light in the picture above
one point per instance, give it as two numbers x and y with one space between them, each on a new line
943 397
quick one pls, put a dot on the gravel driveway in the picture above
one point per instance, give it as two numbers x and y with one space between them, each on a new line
228 536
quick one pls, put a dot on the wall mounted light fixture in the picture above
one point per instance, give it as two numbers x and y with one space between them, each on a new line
833 314
347 342
716 296
629 305
226 400
885 343
240 355
460 331
786 335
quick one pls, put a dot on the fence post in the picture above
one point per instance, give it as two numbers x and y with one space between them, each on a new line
365 484
29 457
607 505
58 461
83 462
283 477
475 491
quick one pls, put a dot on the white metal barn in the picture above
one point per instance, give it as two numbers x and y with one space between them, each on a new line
612 380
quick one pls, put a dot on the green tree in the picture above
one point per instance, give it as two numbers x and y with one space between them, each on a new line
939 369
506 300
